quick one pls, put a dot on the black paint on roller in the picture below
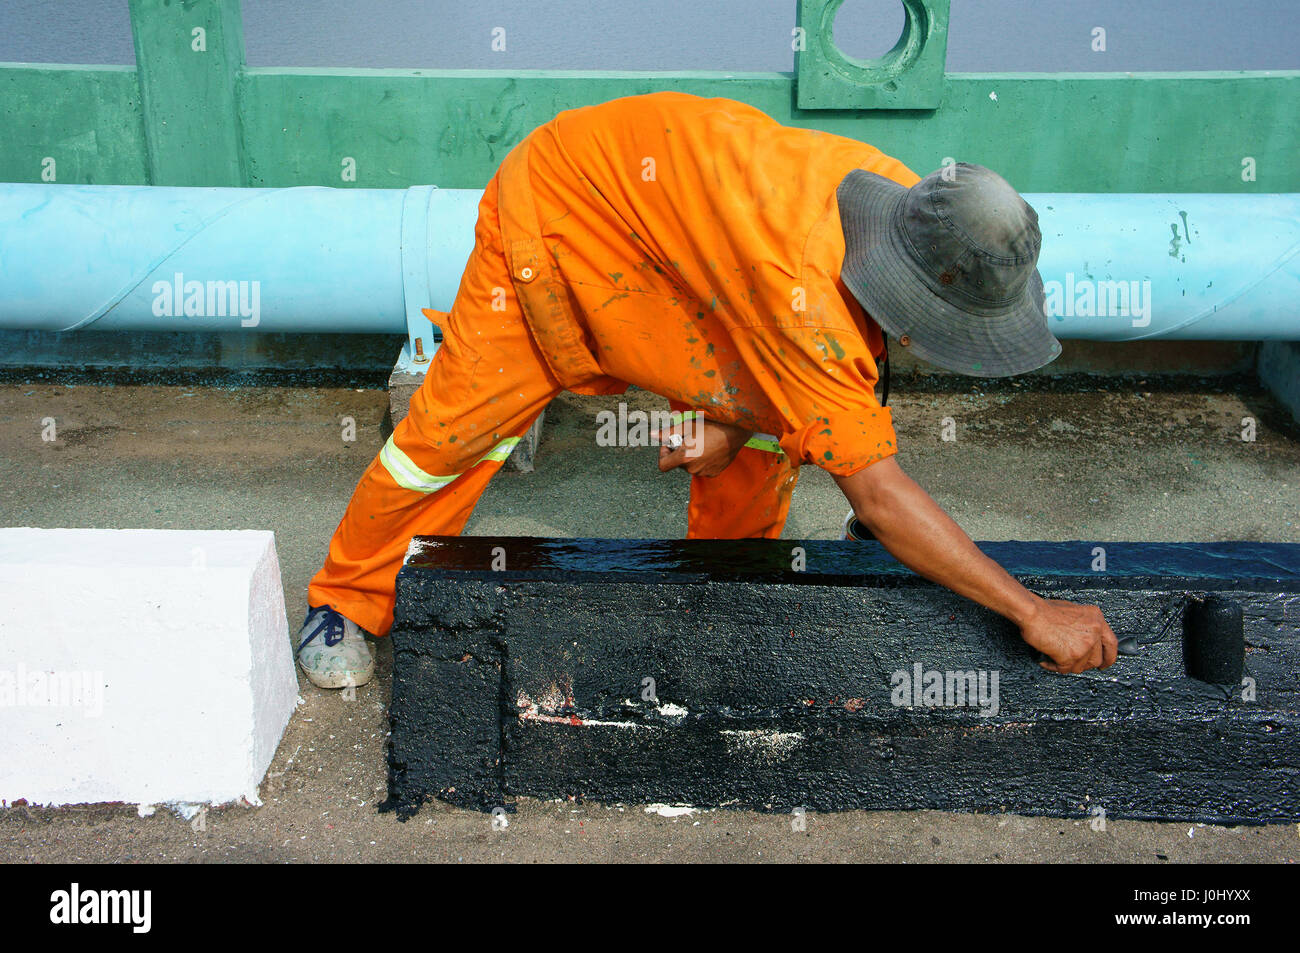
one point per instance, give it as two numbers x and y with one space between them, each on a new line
1214 642
772 687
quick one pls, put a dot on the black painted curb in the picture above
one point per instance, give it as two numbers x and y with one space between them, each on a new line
775 689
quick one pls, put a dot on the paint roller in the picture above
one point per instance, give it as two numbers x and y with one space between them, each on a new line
1214 640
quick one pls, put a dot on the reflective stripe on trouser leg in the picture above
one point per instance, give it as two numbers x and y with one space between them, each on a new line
407 475
386 510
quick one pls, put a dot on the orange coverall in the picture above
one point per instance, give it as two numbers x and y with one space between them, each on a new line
691 247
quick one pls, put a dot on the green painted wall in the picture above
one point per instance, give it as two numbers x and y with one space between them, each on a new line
1046 133
193 114
86 119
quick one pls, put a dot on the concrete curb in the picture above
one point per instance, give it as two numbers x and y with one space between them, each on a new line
710 673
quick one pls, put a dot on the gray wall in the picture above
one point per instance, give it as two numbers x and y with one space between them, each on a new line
985 36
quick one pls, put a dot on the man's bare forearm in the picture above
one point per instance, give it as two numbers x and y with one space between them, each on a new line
920 535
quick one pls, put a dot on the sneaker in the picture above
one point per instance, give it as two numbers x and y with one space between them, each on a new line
332 650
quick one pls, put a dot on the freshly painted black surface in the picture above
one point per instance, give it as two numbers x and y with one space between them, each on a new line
845 563
774 689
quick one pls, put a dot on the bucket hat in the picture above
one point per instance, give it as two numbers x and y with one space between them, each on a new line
949 268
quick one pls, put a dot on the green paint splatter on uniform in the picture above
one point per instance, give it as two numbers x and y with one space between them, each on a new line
835 346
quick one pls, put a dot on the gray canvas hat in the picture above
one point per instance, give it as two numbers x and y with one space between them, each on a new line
949 268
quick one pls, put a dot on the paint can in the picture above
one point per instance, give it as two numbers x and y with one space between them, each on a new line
1214 641
855 529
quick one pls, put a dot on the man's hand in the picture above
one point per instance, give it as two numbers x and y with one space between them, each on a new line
709 447
1075 637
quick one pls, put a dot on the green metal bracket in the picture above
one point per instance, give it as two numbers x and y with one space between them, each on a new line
910 76
189 54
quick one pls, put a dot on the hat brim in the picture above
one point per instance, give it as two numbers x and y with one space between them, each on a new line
879 271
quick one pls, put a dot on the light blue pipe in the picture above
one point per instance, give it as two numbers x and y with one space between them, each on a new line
1117 266
146 258
1190 266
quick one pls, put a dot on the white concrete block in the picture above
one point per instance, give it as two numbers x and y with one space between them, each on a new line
145 666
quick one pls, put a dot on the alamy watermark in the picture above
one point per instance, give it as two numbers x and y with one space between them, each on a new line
1089 298
20 688
208 299
133 908
932 688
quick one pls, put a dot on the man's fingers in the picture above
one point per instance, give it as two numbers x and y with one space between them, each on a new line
1109 649
1092 658
672 449
1067 666
1110 646
671 459
1092 661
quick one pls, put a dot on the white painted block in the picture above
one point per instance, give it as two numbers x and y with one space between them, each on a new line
145 666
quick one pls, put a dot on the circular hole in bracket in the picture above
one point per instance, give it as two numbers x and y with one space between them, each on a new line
905 52
866 31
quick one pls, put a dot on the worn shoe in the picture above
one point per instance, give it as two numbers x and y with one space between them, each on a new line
332 650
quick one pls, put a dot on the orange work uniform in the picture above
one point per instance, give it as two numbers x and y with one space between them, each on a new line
691 247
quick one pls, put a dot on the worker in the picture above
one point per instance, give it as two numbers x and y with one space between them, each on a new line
746 271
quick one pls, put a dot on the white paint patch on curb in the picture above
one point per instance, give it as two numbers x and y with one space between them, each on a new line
766 742
671 810
666 709
186 639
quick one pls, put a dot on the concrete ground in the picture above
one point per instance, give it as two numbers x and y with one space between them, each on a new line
1150 460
